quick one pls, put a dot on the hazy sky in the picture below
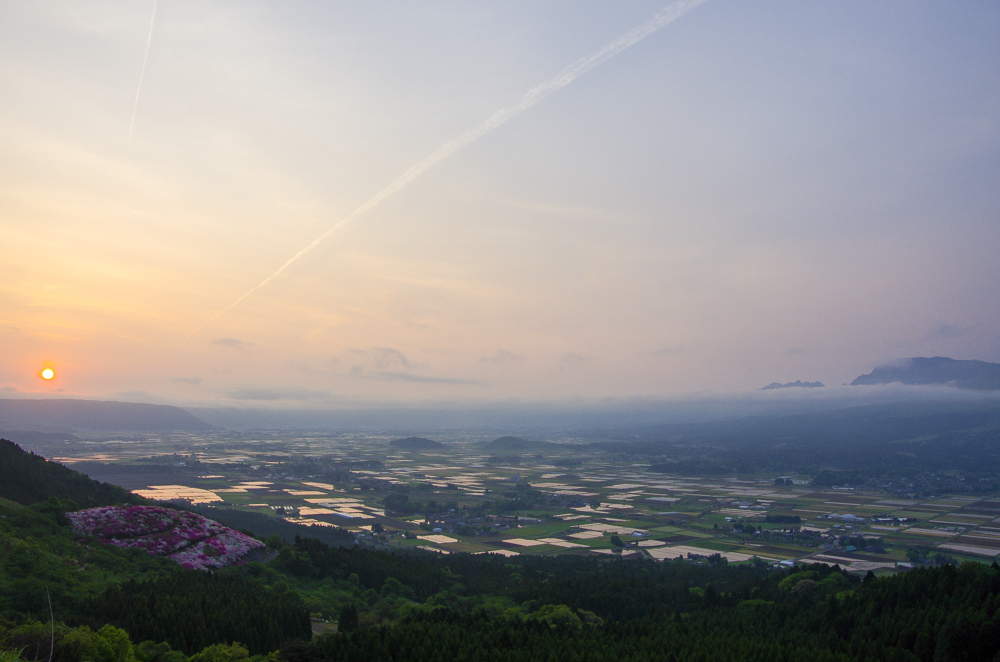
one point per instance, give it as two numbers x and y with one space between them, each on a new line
759 191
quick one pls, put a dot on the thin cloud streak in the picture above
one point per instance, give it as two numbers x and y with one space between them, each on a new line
142 73
665 16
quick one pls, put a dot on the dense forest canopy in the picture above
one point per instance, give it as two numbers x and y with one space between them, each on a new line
28 478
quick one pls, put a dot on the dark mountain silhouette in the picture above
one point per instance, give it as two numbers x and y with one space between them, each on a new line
416 444
70 415
28 478
796 384
978 375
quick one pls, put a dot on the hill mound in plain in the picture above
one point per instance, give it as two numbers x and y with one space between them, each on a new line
416 444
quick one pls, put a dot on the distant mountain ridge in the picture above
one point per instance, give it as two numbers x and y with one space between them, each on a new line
798 383
31 437
975 375
70 415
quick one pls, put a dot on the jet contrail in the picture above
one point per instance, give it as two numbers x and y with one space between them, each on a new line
149 41
666 15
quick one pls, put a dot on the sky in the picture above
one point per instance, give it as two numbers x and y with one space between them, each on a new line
756 192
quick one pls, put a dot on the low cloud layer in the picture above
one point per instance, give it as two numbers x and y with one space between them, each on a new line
427 379
278 394
502 356
570 361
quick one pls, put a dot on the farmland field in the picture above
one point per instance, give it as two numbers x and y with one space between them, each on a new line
464 496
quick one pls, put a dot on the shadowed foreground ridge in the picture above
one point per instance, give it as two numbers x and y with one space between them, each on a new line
28 478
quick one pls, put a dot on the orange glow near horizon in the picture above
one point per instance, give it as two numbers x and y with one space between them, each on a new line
47 374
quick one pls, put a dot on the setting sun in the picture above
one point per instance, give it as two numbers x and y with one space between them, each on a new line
48 373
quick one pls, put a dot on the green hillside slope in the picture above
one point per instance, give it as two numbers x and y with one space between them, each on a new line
28 478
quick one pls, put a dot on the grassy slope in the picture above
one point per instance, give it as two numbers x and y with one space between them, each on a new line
38 553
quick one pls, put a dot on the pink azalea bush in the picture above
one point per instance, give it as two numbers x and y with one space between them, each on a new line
189 539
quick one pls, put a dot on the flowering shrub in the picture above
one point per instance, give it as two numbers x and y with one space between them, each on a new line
189 539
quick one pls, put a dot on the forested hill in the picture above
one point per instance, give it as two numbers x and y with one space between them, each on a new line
98 588
945 614
28 478
526 609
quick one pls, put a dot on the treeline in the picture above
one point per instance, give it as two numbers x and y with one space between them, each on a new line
610 588
807 613
263 526
929 615
444 635
192 610
36 641
423 574
28 478
782 519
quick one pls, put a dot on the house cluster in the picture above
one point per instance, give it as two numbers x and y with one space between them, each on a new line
846 518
